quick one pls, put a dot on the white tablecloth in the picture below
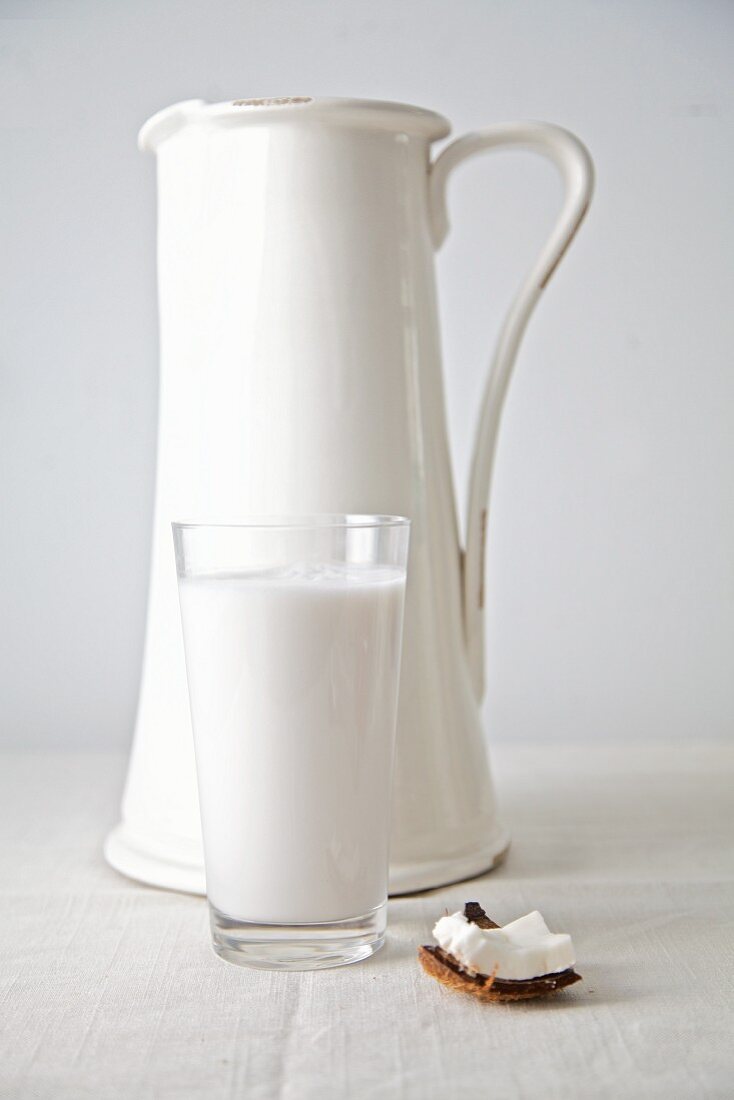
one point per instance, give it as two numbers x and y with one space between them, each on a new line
109 989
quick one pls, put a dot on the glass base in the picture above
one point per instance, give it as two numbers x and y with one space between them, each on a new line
298 946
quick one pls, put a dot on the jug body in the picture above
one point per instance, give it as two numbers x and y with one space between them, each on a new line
300 373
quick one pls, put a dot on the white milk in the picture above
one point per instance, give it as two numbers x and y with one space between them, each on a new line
293 681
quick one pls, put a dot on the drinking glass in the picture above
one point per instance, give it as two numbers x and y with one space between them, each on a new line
292 630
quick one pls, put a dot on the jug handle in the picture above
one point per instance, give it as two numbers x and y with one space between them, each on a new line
577 172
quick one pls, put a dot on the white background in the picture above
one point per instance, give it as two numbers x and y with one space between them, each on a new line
611 554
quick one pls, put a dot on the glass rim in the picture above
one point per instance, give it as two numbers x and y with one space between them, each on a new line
305 522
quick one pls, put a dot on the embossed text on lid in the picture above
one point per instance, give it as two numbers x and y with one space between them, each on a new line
282 101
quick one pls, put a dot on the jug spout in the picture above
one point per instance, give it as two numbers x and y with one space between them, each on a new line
167 122
574 163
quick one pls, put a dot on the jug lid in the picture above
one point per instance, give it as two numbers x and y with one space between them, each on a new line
369 114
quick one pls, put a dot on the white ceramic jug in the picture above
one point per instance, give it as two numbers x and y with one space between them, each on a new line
300 372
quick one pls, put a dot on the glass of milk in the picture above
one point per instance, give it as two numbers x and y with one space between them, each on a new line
292 631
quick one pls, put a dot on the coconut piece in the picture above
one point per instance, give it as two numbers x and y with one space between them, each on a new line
442 966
